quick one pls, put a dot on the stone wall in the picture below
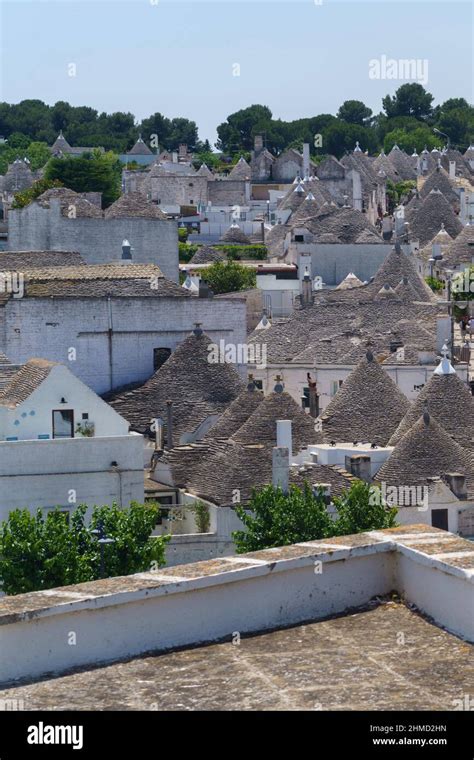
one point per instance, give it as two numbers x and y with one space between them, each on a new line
50 327
99 241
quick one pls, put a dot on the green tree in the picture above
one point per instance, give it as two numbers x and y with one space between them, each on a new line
45 551
361 508
354 112
275 519
24 197
38 155
91 172
340 137
236 133
409 100
418 138
229 277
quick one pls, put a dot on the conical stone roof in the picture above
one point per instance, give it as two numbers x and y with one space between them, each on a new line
241 170
449 401
235 235
260 427
426 220
197 387
461 250
236 414
140 149
367 408
395 268
206 254
134 205
439 180
426 451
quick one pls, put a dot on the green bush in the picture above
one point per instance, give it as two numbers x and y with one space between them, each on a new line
434 283
44 551
25 197
237 252
183 233
229 277
275 519
187 251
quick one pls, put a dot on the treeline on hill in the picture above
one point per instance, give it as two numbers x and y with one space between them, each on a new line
408 118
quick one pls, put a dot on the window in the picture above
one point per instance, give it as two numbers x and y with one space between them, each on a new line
63 423
191 202
305 398
160 355
258 384
299 238
85 415
439 518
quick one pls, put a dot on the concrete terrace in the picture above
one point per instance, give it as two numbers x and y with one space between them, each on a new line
383 657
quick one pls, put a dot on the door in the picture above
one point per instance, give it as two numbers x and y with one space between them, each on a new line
439 518
63 423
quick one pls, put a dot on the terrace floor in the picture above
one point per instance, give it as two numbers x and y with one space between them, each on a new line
384 657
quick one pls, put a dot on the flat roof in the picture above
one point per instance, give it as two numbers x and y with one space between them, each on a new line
386 656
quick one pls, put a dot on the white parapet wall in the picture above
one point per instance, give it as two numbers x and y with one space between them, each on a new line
205 601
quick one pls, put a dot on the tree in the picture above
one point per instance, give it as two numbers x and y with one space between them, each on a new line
25 197
41 551
275 519
236 133
229 277
409 100
417 139
38 155
91 172
361 508
354 112
339 138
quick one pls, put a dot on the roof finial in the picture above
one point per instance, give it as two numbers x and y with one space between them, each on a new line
279 384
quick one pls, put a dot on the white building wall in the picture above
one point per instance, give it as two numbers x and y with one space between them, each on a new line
51 327
34 416
72 471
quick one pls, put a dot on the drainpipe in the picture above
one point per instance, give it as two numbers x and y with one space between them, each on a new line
109 339
169 423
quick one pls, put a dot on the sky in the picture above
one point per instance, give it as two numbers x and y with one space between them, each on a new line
206 60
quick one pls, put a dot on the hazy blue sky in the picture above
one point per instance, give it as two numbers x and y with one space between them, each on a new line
297 57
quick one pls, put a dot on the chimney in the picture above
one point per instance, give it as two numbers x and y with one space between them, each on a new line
257 144
306 289
126 251
452 170
158 434
169 423
313 397
456 482
359 466
284 436
280 468
463 207
305 159
174 157
356 191
204 290
324 489
183 151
